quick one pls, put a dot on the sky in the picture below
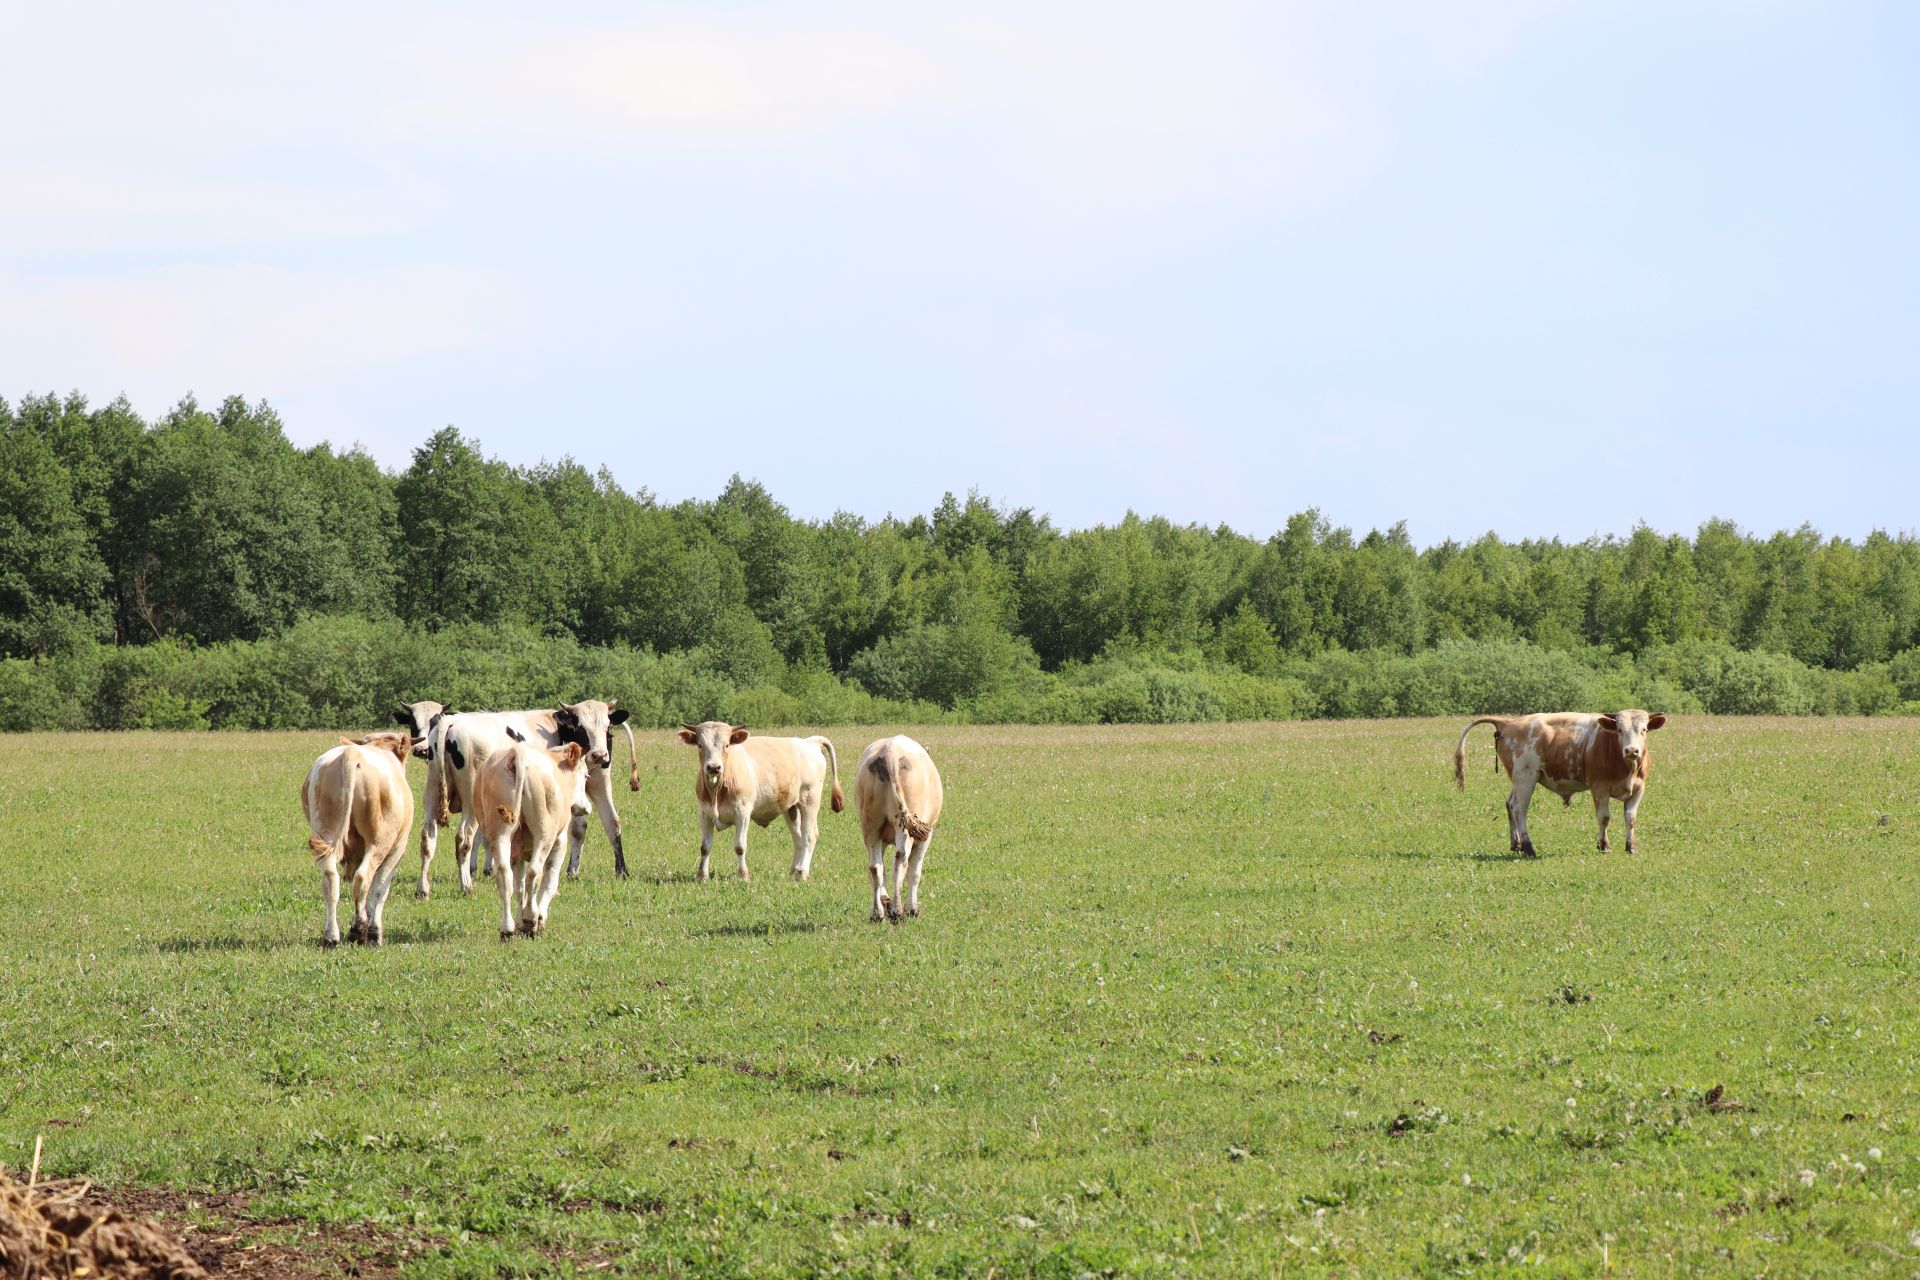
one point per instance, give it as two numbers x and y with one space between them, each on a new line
1548 268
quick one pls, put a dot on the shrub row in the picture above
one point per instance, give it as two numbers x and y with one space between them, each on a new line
336 673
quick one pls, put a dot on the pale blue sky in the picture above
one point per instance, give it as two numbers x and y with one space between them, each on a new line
1546 268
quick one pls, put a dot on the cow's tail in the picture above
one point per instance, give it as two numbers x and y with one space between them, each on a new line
440 766
833 758
1460 748
910 822
511 816
633 763
324 846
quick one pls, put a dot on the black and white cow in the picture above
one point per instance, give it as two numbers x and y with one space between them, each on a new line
460 743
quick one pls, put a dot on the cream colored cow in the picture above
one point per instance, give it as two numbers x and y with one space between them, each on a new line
742 777
527 796
899 795
359 808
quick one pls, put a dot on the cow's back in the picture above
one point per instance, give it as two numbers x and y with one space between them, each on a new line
782 767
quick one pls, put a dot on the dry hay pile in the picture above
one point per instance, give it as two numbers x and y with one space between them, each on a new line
48 1233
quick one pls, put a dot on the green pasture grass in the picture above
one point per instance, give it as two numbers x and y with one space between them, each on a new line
1208 1000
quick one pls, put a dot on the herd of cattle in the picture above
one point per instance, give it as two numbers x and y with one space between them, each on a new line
522 780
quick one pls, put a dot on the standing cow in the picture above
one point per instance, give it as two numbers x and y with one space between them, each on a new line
460 744
527 797
358 807
742 777
1567 752
899 795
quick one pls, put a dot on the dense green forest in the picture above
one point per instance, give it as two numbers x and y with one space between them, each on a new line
200 570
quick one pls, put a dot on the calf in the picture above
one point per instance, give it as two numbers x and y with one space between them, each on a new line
358 807
528 796
899 795
460 744
742 777
1568 752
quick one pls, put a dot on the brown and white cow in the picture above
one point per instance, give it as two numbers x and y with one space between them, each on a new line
527 797
1567 752
741 777
899 795
359 806
460 744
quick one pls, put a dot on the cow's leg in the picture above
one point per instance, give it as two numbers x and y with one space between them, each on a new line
810 837
1523 784
576 838
877 875
382 886
741 820
503 881
463 843
902 850
600 790
1633 819
704 870
330 894
913 875
797 828
429 830
362 891
1603 812
531 872
549 886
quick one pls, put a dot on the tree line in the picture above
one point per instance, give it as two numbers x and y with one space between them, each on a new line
154 556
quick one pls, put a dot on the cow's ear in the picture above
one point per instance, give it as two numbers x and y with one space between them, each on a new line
1609 724
618 717
737 737
689 737
1655 720
403 716
515 736
446 711
573 753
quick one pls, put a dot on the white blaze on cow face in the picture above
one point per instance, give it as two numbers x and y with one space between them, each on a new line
1633 728
711 739
591 724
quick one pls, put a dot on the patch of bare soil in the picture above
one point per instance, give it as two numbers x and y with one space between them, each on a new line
56 1231
219 1232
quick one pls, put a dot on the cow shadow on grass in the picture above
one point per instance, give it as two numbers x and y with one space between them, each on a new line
1439 855
771 930
187 944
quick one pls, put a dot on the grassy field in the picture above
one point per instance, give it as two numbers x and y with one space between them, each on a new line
1240 1000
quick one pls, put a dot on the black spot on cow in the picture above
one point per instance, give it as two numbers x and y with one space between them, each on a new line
878 767
454 753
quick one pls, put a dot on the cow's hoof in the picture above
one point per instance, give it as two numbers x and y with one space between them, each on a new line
329 943
620 871
506 935
798 874
423 893
877 916
527 927
914 911
1526 851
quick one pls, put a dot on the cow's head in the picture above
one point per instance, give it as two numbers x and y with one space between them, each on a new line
394 742
567 759
712 738
1633 728
418 719
590 724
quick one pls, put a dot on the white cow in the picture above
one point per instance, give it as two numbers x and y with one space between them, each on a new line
742 777
899 795
461 743
527 797
358 807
